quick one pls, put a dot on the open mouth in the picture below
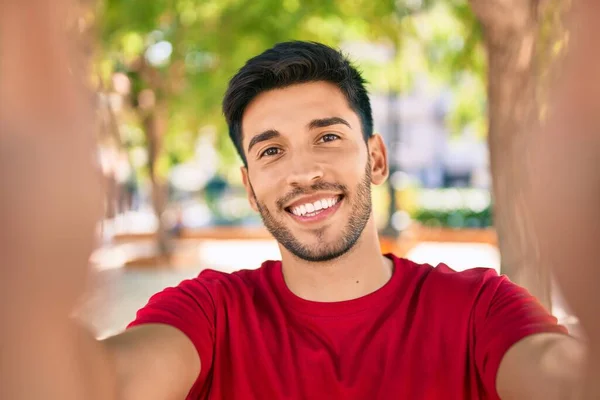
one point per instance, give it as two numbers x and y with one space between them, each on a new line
316 208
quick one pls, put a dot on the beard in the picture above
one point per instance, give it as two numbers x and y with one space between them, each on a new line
323 250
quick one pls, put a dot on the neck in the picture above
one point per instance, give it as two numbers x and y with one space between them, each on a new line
360 271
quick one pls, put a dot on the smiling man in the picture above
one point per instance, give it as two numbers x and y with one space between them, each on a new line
334 319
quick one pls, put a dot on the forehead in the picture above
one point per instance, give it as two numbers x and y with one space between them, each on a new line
294 106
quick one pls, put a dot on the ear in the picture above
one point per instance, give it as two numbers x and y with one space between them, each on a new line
248 186
379 160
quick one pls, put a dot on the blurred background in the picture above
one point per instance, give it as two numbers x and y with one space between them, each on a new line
175 203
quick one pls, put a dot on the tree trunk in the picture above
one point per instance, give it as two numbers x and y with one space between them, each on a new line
153 129
510 34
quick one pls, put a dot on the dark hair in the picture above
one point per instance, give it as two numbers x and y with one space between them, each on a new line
291 63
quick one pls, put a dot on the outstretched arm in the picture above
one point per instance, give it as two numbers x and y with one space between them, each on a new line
50 203
565 206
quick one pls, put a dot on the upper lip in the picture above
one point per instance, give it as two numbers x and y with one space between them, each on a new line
311 199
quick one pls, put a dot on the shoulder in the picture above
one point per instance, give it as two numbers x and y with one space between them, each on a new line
449 278
489 299
441 282
245 278
216 287
203 295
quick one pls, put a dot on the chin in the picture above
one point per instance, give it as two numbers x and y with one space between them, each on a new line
320 251
326 256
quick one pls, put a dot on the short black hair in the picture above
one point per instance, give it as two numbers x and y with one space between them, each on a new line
291 63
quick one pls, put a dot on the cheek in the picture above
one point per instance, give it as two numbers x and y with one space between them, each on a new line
267 174
264 186
349 162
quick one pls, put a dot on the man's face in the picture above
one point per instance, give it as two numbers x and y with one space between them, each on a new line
309 169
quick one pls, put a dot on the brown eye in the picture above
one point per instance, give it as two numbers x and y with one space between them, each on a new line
329 137
271 151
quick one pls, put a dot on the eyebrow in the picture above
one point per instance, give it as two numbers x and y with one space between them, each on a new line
261 137
315 123
325 122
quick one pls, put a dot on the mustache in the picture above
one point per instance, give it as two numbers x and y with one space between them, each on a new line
301 191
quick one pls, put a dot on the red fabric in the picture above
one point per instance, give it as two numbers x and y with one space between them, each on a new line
429 333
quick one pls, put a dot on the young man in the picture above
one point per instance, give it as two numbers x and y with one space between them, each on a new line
335 319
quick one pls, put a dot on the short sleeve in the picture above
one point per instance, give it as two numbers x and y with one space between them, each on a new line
504 314
190 308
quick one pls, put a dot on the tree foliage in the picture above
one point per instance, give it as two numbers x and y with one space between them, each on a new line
185 51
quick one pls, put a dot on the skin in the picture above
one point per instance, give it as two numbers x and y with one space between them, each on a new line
565 191
50 205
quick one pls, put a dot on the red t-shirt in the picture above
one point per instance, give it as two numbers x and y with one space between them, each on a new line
429 333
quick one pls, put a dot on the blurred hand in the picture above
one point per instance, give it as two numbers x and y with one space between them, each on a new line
565 182
50 197
49 208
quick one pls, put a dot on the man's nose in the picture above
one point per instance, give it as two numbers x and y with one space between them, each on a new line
304 171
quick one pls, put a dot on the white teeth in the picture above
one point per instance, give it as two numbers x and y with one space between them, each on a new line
314 208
